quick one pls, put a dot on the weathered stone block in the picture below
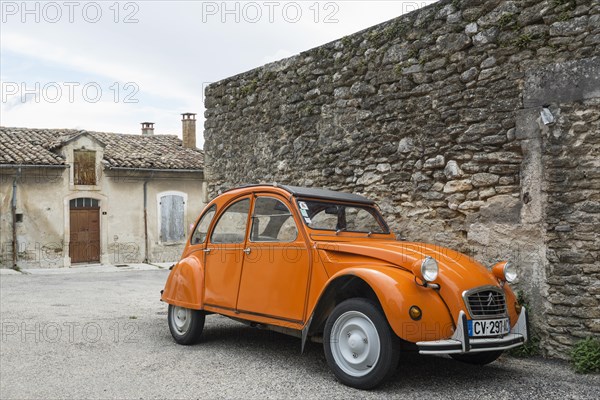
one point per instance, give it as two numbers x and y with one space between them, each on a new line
484 179
434 163
452 170
487 192
461 185
453 42
501 208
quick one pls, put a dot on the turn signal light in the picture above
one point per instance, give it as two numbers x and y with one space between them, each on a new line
518 307
415 313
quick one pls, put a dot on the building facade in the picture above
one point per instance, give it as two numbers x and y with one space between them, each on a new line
78 197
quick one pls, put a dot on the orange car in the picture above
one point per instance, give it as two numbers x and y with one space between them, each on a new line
324 266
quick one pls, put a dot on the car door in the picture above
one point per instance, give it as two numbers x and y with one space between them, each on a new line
277 264
224 255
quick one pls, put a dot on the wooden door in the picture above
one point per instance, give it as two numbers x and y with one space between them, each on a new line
85 235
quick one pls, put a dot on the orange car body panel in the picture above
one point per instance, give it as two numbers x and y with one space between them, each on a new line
183 287
277 287
281 283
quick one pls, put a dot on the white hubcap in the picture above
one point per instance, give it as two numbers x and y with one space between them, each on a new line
355 343
182 318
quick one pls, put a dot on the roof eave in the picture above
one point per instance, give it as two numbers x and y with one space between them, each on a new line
155 169
6 166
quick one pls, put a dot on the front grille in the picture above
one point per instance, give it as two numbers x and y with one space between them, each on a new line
486 302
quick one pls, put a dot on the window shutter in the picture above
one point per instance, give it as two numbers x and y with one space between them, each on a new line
171 223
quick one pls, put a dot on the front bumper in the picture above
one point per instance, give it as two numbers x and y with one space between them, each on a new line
460 342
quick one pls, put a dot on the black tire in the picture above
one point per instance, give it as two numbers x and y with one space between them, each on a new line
189 330
482 358
389 345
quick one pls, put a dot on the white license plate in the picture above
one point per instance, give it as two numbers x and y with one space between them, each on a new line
488 327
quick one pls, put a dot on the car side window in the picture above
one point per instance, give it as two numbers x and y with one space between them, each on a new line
199 235
325 219
272 221
360 220
231 226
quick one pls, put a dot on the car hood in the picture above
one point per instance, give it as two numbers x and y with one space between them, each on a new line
457 271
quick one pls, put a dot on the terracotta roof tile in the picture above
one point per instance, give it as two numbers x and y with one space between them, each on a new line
41 147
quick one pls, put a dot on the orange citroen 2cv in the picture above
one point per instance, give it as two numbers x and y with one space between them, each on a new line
324 266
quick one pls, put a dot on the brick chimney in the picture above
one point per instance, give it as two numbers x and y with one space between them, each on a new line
188 122
147 128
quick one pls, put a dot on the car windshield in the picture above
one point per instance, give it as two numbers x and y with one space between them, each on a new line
341 217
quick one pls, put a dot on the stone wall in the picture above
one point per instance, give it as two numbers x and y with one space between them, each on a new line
437 115
571 162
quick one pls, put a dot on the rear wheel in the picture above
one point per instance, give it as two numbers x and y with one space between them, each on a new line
185 324
360 347
482 358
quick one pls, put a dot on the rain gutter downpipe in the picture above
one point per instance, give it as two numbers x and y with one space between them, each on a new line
146 221
13 209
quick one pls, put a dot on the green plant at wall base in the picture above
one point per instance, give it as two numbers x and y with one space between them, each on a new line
531 347
585 356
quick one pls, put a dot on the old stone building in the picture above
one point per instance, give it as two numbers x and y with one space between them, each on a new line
474 124
76 196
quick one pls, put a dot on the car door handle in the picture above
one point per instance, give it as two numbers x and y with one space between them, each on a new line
207 250
247 250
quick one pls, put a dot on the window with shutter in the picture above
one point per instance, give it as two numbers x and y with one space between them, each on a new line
172 212
84 171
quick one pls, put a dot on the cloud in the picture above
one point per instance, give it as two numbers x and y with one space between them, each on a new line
97 64
170 53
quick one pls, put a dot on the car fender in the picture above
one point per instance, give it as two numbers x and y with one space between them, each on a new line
397 291
184 284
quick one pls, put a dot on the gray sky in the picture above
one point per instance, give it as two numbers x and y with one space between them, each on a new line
108 65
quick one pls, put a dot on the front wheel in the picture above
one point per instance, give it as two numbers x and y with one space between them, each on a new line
483 358
360 347
185 324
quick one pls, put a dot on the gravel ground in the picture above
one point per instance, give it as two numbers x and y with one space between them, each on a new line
104 335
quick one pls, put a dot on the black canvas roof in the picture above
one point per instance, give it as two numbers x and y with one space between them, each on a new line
317 193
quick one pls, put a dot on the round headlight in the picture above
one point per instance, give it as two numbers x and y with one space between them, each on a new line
429 269
510 272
